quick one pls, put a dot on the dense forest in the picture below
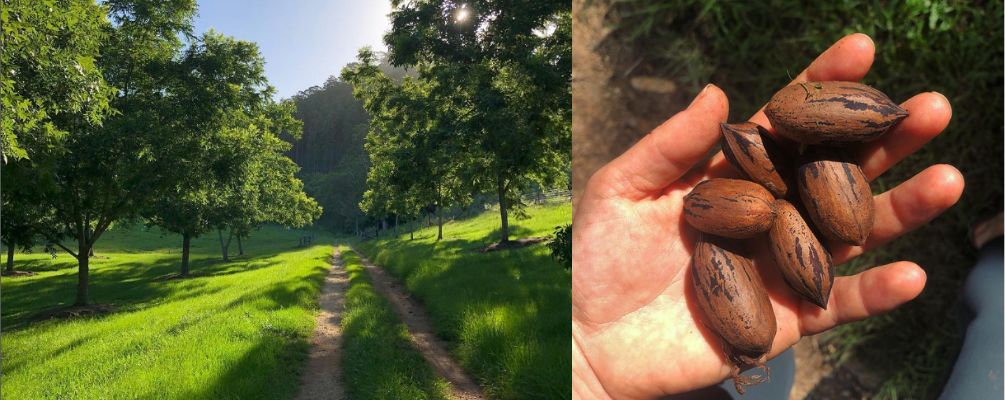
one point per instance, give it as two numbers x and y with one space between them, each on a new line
330 150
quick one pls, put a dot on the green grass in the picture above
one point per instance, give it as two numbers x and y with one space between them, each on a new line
750 49
505 314
379 361
235 330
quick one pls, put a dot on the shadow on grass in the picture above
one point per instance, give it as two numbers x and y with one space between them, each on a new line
53 353
505 314
132 286
266 328
298 292
376 344
45 265
515 232
269 370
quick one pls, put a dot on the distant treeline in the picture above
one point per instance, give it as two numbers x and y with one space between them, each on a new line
330 151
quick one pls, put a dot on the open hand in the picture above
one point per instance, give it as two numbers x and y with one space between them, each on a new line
637 332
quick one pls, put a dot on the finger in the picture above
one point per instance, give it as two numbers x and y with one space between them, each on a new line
929 114
863 295
669 151
908 206
848 59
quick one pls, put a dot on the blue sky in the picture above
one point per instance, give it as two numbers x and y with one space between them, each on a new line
303 41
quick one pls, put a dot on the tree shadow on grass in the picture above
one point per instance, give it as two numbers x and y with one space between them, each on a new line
515 232
10 366
293 290
280 355
131 286
504 314
271 369
45 264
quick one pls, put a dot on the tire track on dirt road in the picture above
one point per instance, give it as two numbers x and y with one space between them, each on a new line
413 314
322 378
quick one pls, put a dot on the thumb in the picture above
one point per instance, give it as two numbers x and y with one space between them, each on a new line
668 152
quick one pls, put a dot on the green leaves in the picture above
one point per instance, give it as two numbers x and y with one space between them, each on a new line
489 111
47 52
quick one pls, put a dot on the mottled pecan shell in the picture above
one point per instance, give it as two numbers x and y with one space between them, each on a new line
732 297
832 112
836 195
751 150
804 262
731 208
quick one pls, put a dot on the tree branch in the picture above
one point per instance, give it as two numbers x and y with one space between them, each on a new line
57 243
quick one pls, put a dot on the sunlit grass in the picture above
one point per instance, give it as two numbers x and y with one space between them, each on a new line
506 314
379 360
233 330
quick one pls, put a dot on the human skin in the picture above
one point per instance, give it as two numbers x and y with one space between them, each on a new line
636 329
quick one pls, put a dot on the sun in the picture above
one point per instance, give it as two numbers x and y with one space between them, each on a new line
462 13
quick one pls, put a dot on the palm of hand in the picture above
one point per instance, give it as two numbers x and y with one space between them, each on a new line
637 331
657 315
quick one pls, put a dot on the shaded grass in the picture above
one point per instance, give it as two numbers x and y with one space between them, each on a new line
379 360
234 330
505 314
751 49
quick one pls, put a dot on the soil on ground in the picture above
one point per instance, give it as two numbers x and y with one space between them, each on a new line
512 244
17 274
614 102
413 314
90 310
323 377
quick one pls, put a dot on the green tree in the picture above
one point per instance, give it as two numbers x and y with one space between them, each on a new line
48 50
508 65
409 142
102 174
217 87
22 214
267 189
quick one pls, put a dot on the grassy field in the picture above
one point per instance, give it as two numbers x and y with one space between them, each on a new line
505 314
379 361
233 330
750 49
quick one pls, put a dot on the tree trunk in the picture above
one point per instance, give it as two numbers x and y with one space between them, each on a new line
223 245
439 223
10 259
396 224
411 232
186 242
83 268
429 220
240 246
90 234
504 231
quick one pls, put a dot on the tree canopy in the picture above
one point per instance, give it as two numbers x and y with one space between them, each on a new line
229 171
496 78
48 50
191 140
414 162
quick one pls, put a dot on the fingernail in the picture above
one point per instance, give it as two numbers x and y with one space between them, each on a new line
701 95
